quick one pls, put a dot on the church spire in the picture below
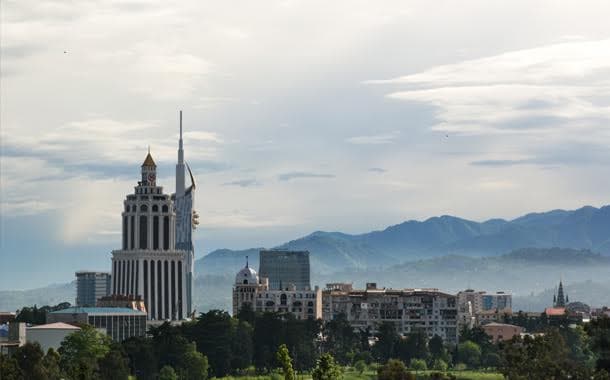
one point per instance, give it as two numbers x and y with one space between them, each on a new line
561 302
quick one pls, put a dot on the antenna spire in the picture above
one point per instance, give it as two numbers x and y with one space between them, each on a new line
247 262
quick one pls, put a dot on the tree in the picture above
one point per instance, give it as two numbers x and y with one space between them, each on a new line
283 357
51 364
439 365
599 333
9 369
194 366
340 338
81 350
167 373
418 365
114 365
415 345
469 353
326 369
29 358
394 369
142 357
360 366
387 339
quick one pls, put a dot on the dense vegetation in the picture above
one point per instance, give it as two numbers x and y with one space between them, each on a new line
280 346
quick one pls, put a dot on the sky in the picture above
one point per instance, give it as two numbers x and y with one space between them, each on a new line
298 116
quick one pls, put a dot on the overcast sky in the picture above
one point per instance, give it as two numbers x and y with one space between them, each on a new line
299 116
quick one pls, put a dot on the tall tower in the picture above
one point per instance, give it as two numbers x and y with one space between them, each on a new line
148 264
186 218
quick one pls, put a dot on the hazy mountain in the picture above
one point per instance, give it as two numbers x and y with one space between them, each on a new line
585 228
530 274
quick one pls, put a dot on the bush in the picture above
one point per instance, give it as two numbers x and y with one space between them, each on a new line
360 366
394 370
418 364
439 365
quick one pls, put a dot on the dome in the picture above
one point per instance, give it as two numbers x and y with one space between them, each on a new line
246 276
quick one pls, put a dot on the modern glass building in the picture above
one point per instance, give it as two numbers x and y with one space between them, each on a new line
284 268
91 286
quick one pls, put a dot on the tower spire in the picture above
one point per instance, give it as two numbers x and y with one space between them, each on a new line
180 186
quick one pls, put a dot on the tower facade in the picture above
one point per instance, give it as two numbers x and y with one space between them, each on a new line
148 263
186 218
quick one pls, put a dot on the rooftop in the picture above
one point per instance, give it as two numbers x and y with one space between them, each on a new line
98 310
54 326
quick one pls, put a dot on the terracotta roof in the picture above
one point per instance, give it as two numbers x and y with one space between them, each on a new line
148 161
54 326
554 311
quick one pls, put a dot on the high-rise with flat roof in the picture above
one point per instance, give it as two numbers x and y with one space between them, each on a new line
284 268
90 286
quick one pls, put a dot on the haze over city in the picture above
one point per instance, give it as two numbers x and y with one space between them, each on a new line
298 116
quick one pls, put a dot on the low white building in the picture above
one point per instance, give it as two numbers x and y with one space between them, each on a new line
50 335
252 290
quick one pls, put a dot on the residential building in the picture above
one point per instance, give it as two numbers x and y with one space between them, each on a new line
479 307
427 310
90 286
502 331
283 268
14 338
50 335
254 291
119 323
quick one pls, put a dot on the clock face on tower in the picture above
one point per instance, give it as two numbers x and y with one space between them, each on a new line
151 178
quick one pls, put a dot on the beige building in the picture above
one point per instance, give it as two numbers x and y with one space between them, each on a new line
410 310
476 308
502 331
50 335
252 290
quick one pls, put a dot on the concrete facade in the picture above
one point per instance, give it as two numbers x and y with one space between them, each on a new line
427 310
50 335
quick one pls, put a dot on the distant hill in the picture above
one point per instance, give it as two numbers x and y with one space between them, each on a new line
530 274
585 228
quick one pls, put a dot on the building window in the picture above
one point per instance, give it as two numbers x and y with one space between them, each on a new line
132 229
155 231
283 299
133 208
155 208
165 208
143 208
165 232
143 232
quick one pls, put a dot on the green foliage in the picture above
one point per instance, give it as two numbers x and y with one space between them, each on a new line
439 365
142 357
598 331
38 316
51 364
469 353
114 365
167 373
418 364
387 340
340 338
394 369
283 357
326 369
413 346
9 368
194 366
81 350
29 359
360 366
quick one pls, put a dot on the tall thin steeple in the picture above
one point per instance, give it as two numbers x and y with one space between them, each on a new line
561 302
180 188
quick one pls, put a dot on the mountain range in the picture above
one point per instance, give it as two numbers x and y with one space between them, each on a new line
584 228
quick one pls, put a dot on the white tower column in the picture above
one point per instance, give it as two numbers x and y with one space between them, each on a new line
162 295
137 229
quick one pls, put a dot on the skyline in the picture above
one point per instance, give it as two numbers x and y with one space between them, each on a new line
354 118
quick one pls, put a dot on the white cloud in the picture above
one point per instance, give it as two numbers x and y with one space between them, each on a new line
372 139
534 91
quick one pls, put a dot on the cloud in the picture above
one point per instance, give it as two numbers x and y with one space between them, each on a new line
372 139
302 175
243 183
533 91
377 170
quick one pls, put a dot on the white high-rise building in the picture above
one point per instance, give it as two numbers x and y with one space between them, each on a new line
156 257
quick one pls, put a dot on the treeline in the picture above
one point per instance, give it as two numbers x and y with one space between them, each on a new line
216 345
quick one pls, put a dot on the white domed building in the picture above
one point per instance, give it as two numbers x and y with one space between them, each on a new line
252 290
